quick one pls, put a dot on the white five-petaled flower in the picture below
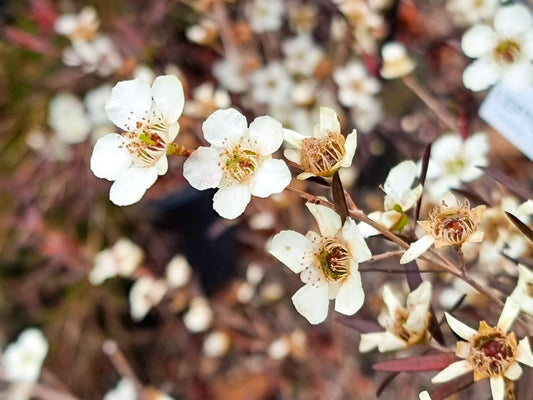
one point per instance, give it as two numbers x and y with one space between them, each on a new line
325 151
328 264
302 55
405 326
450 224
490 352
68 118
78 27
503 53
468 12
149 118
454 160
239 161
356 86
22 360
399 197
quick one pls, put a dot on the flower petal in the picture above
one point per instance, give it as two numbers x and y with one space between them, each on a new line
478 40
350 296
130 101
130 187
267 133
452 371
369 341
513 372
416 249
356 243
390 300
224 126
201 169
525 356
329 122
509 313
312 302
272 176
350 145
293 138
391 343
481 74
162 165
497 387
512 20
231 201
168 97
110 159
290 248
329 222
463 330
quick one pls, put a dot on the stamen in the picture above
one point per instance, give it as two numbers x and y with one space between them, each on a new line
322 156
334 260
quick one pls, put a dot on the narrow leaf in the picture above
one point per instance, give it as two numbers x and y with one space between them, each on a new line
526 230
359 324
447 389
509 183
430 362
383 385
338 197
422 178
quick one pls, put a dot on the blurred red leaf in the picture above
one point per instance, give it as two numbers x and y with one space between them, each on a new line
360 325
430 362
44 14
29 41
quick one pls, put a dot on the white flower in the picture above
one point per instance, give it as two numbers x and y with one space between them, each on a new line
328 264
399 197
396 61
490 352
146 293
239 161
206 99
367 115
324 152
503 53
204 33
145 73
468 12
523 292
22 360
216 344
98 55
356 86
68 118
271 85
405 326
125 390
450 224
122 259
301 54
178 271
265 15
199 317
95 103
149 118
230 73
424 395
78 27
454 161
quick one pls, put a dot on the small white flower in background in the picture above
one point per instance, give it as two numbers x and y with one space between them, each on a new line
367 115
216 344
145 73
265 15
405 326
490 352
146 293
78 27
523 292
302 55
245 292
178 271
294 344
272 292
328 263
424 395
125 390
68 118
457 288
454 160
450 223
121 259
22 360
98 55
239 161
271 85
262 220
396 61
503 53
356 86
304 93
204 33
366 23
231 74
50 146
254 273
326 151
399 197
469 12
149 118
279 348
199 317
206 100
95 103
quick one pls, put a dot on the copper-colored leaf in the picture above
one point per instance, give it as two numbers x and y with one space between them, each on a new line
383 385
526 230
338 197
430 362
509 183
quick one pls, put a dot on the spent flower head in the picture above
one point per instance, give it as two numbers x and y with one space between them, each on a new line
328 264
148 116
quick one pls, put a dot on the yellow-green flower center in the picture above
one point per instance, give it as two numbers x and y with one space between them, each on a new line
507 51
334 260
240 164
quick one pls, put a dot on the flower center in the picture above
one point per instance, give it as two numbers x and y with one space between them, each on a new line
321 156
240 163
492 352
507 51
149 145
409 336
453 224
455 167
334 260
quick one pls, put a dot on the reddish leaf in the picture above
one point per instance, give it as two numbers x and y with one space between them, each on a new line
338 197
30 42
359 324
430 362
508 182
520 225
422 178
